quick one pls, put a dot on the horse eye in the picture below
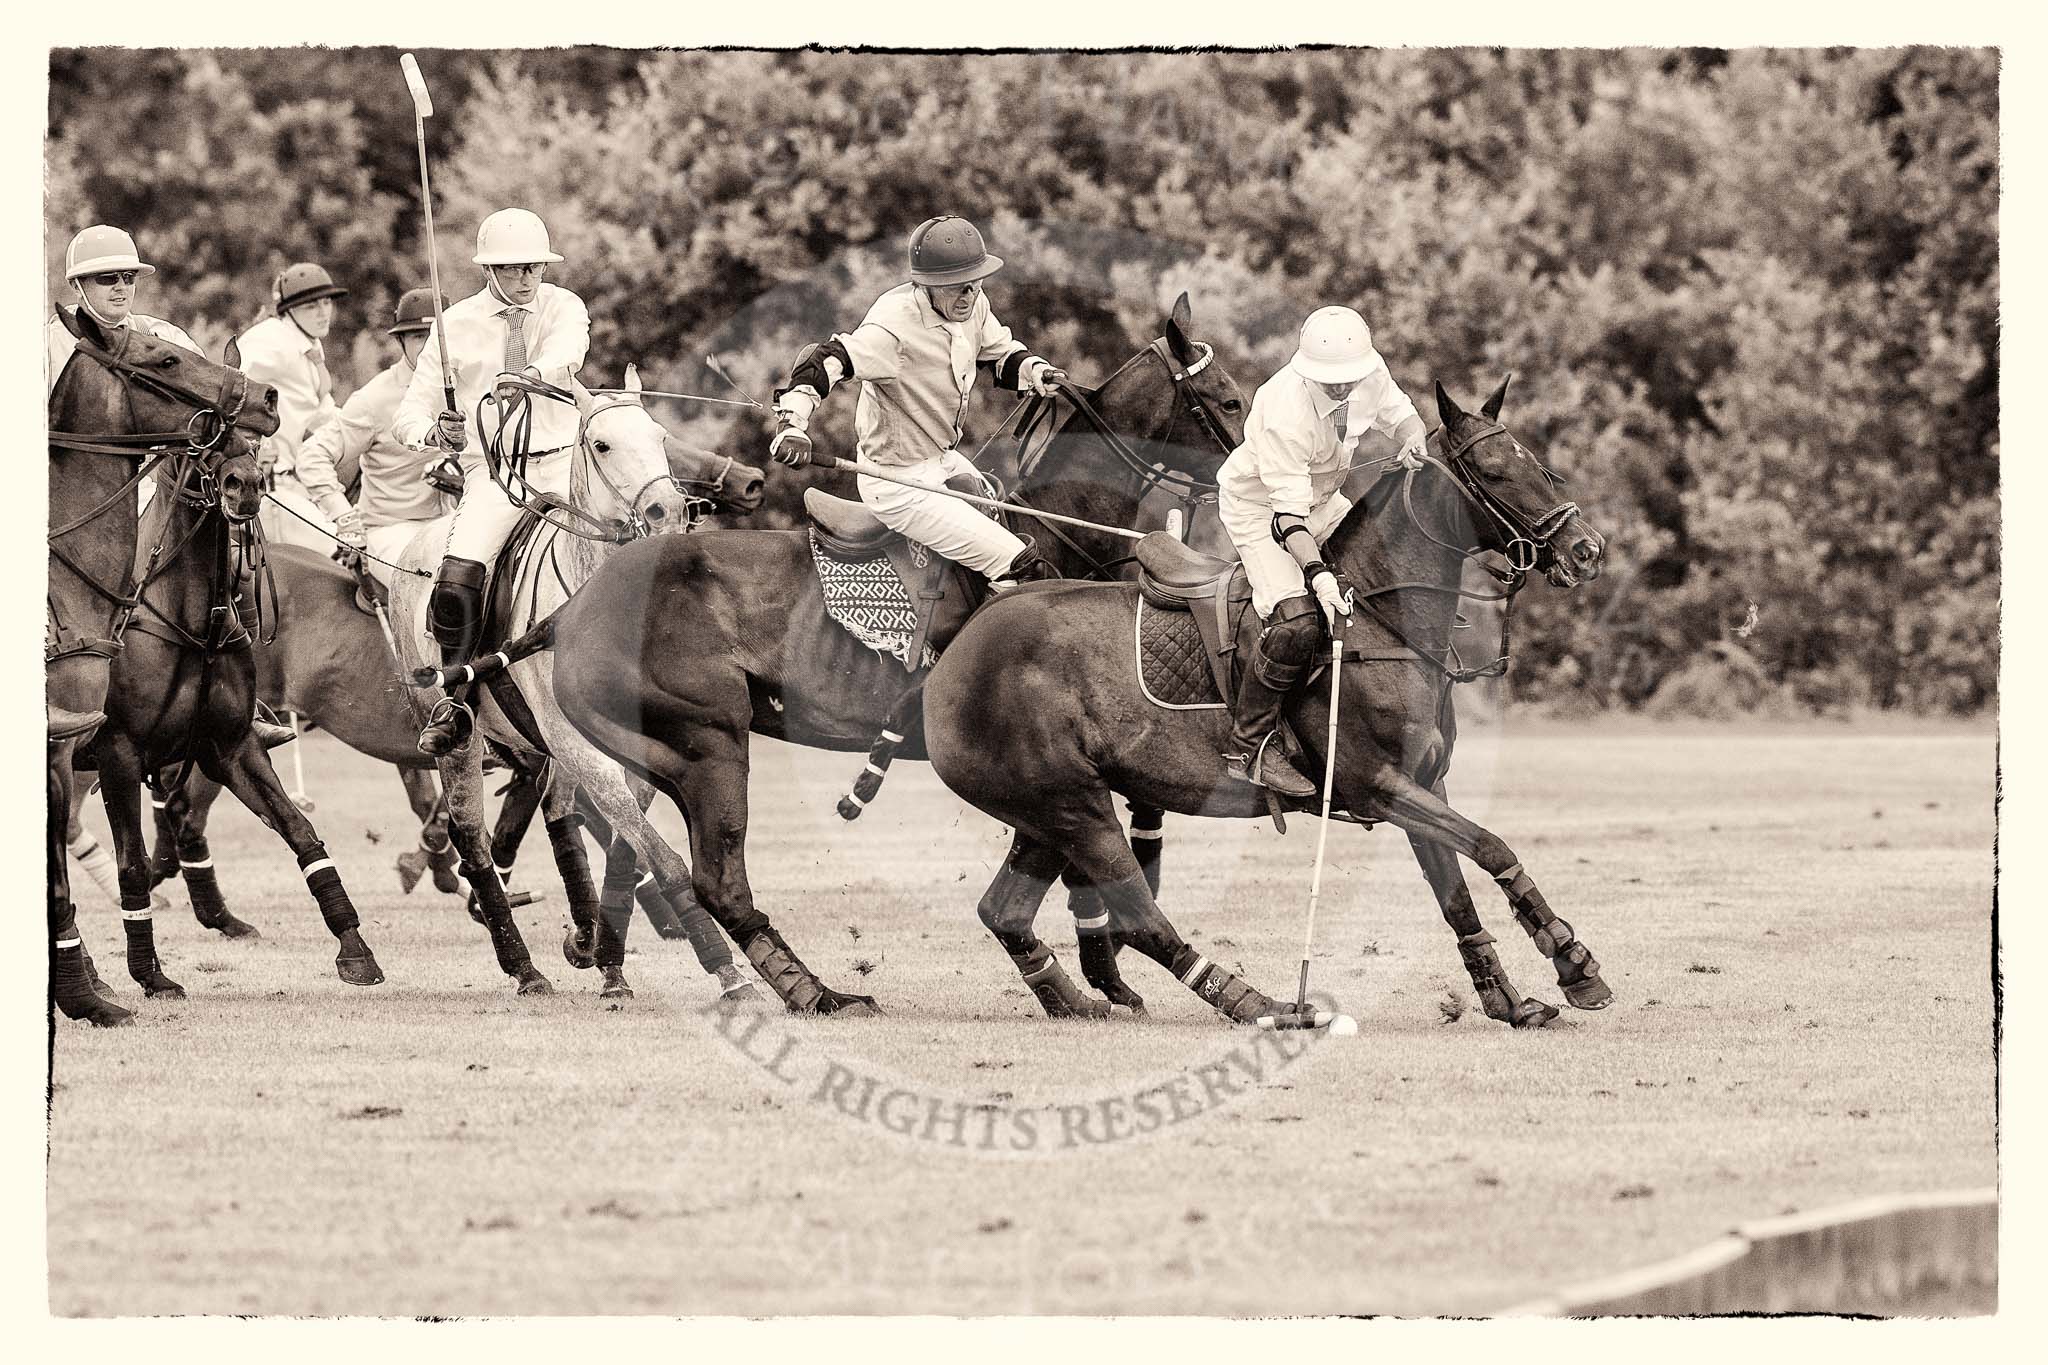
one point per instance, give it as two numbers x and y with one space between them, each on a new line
1232 406
602 447
167 362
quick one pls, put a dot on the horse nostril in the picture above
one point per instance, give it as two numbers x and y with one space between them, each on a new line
657 512
1588 551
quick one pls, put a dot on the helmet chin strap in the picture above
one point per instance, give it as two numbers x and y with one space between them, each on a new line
95 314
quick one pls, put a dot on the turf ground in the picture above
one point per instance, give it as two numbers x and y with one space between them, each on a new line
1796 922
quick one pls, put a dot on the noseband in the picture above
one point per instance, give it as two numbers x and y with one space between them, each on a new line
1527 536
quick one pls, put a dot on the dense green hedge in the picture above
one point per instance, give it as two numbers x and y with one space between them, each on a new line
1750 298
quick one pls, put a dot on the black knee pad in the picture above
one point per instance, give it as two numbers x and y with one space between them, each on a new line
1288 642
456 608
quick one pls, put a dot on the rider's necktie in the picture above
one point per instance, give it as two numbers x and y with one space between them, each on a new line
323 379
515 339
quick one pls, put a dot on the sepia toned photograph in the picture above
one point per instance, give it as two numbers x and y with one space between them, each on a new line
1317 682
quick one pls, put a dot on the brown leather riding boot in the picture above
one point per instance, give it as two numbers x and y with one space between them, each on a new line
269 733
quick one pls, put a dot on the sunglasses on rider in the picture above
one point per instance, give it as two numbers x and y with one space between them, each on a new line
107 279
533 269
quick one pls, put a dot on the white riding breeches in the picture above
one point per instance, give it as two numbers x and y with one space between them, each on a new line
389 542
958 530
280 527
486 515
1272 572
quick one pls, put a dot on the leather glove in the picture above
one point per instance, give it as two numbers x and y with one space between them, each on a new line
445 474
1047 381
792 446
451 432
349 526
1331 596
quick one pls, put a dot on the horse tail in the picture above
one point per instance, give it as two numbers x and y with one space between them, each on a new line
541 637
881 754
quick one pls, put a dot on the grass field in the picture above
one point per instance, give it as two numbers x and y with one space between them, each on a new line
1795 920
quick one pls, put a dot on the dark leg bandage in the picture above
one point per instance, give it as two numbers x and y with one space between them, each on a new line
325 884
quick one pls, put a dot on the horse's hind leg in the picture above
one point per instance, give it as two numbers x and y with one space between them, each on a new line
1497 995
1008 908
1098 941
121 789
245 770
685 917
188 813
615 916
1427 816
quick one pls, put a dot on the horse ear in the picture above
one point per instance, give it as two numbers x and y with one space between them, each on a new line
1490 409
85 327
1177 324
1447 410
632 378
232 356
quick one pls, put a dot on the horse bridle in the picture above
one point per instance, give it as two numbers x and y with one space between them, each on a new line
1528 537
204 441
630 527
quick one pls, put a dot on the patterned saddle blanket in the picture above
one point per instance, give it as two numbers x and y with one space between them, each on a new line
1174 670
867 598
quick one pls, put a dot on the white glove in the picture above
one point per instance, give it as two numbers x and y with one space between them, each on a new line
1410 454
1334 601
792 446
1045 381
349 526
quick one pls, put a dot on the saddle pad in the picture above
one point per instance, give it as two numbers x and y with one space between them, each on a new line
869 601
1173 663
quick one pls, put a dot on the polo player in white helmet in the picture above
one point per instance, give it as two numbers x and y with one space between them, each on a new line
396 496
105 275
287 350
104 271
515 325
1279 498
915 354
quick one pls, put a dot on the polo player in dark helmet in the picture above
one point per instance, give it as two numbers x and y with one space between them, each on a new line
915 355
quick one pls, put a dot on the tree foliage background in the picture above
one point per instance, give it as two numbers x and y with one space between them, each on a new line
1749 297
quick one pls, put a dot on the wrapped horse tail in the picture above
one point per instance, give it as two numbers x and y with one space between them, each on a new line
541 637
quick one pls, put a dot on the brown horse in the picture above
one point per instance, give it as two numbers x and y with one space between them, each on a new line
328 662
125 406
680 648
183 691
1036 715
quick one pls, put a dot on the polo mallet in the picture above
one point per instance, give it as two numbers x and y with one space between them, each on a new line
422 110
711 363
1341 1024
299 797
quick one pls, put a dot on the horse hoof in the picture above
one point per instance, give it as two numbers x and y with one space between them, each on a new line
359 971
577 951
615 987
743 994
96 1010
445 880
161 987
231 927
1532 1013
849 1006
412 866
531 982
1590 994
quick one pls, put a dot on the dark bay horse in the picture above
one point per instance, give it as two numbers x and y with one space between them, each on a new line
328 661
1036 716
681 648
126 406
183 692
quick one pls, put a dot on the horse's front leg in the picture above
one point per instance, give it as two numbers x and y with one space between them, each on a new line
245 770
121 789
572 862
434 853
1098 942
1009 907
1497 995
1428 817
462 782
71 978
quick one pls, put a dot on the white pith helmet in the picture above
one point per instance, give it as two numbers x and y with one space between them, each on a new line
101 248
512 237
1336 347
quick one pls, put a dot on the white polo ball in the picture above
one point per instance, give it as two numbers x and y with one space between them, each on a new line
1343 1026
